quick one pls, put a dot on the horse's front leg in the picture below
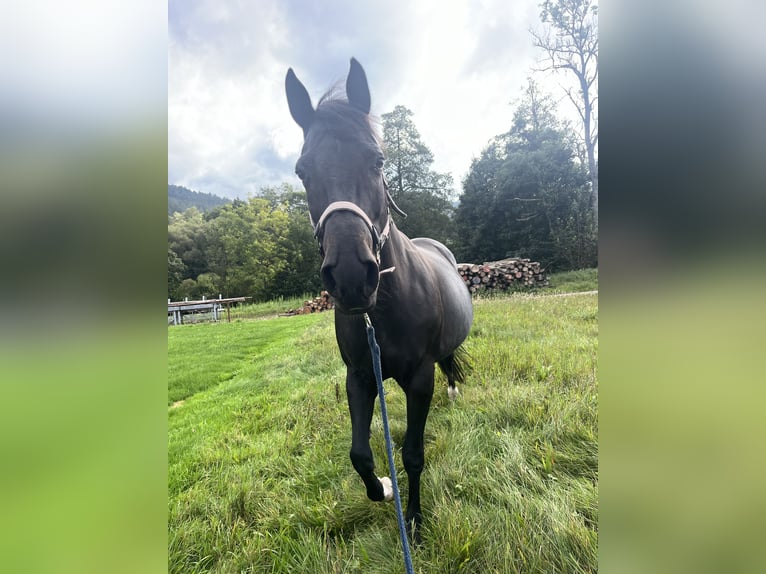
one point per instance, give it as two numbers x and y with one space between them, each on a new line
419 394
361 391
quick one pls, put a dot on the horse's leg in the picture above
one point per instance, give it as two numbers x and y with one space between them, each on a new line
419 393
361 392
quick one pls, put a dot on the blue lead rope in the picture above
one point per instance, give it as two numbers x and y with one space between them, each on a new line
375 351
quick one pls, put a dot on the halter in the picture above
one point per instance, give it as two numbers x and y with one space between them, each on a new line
378 238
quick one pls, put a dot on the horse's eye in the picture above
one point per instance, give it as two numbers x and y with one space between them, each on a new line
379 161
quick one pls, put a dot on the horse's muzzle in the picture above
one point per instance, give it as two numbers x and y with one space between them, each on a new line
353 286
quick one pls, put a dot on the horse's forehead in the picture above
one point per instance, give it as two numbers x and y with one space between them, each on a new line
325 149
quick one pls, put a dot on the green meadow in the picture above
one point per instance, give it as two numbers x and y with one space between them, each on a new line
259 478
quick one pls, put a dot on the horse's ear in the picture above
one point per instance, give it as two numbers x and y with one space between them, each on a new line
299 101
356 87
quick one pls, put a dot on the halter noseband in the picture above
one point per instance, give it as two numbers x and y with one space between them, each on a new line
378 238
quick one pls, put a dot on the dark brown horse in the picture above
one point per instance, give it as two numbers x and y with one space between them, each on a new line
410 288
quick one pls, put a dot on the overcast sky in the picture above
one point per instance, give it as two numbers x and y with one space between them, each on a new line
457 65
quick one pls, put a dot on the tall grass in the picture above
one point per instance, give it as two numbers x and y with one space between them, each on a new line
259 478
563 282
573 281
269 309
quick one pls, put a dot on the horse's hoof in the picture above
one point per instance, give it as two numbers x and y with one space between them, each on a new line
453 393
388 489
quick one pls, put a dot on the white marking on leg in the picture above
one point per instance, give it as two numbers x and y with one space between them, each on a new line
453 392
388 488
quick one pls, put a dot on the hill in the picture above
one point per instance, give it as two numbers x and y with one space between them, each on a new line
181 199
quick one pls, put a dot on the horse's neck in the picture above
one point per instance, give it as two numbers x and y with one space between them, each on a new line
406 290
397 251
403 255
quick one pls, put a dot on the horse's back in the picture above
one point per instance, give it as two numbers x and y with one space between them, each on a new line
455 297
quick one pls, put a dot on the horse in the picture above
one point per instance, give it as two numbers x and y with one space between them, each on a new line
409 288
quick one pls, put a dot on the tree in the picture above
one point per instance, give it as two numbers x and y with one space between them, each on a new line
526 196
187 288
246 247
418 190
180 199
187 239
476 223
176 270
300 274
570 43
263 248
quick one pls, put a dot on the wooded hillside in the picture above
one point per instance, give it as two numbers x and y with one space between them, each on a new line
180 199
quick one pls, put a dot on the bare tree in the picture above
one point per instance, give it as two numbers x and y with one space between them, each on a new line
570 42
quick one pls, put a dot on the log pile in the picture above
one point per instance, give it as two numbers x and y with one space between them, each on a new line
315 305
502 275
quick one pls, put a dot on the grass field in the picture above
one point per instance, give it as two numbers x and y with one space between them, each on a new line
565 282
571 281
259 478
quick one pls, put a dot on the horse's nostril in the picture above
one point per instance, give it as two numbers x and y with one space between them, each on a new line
372 276
328 279
354 282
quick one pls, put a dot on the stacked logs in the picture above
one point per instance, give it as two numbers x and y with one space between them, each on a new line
502 275
315 305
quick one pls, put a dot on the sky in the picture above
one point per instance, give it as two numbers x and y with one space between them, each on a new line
458 66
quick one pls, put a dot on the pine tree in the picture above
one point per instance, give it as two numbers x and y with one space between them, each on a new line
418 190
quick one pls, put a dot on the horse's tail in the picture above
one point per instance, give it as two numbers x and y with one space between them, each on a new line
455 367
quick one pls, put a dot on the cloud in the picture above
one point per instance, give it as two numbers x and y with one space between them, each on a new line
229 131
223 99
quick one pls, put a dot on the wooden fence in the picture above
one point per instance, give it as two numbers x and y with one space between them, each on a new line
178 308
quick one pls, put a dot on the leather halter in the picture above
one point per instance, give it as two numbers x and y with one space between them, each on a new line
378 238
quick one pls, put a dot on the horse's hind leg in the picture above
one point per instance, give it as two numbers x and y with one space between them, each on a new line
419 393
361 393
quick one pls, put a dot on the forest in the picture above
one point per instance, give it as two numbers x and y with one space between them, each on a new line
532 192
528 194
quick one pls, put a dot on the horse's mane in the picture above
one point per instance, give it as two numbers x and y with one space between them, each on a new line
335 114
